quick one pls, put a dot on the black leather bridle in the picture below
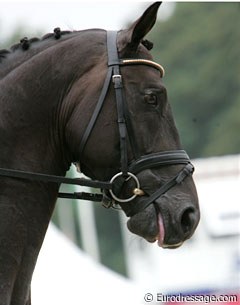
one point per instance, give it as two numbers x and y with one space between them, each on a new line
126 133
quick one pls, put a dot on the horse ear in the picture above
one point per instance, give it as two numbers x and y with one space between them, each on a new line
139 29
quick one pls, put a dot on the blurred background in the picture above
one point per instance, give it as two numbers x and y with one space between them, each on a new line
97 260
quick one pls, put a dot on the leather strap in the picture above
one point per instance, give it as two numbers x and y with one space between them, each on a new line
13 173
186 171
117 80
96 112
159 159
114 74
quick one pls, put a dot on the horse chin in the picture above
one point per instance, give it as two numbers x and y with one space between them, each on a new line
151 224
144 224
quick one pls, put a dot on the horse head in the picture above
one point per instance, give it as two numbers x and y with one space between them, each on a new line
171 217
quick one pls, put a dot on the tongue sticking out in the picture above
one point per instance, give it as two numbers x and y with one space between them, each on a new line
161 230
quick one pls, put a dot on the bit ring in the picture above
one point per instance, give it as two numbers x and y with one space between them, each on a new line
130 176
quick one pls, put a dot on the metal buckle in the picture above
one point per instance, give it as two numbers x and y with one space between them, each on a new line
117 80
130 175
116 77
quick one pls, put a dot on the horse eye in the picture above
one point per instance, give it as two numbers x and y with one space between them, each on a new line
151 99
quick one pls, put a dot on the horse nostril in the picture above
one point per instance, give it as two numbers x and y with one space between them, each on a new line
188 220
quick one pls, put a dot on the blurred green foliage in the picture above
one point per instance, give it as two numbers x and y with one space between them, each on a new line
200 50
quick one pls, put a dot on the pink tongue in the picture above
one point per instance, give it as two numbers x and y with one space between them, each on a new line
161 230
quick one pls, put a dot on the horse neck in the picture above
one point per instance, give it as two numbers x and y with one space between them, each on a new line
33 107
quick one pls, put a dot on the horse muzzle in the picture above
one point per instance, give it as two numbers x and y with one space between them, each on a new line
167 221
167 212
177 221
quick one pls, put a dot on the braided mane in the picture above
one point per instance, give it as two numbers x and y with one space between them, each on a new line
25 43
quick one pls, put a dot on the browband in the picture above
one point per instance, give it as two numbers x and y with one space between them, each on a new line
143 62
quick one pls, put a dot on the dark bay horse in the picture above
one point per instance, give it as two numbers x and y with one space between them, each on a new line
95 98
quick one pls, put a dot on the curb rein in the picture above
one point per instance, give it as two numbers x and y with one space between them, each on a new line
128 172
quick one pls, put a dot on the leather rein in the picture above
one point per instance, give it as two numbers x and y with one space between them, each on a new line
126 134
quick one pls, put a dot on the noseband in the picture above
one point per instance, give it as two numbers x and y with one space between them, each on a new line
128 170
